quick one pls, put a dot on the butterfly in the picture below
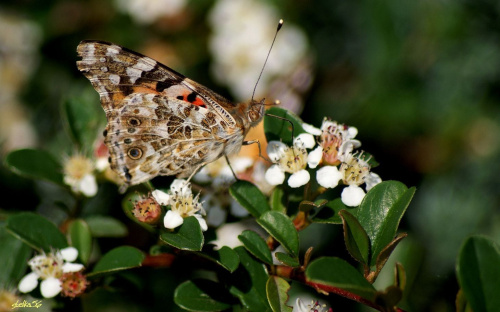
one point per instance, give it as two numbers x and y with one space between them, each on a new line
159 121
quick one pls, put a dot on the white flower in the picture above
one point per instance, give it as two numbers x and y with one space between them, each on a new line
356 171
182 204
335 141
249 25
78 173
148 11
291 160
49 268
314 306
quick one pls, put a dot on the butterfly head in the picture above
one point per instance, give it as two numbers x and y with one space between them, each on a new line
255 112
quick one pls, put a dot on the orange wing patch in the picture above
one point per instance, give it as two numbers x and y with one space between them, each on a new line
192 98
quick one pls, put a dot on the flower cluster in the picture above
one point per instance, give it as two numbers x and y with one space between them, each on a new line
335 154
53 269
182 204
79 174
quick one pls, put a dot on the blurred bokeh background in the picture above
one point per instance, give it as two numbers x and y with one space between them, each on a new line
419 79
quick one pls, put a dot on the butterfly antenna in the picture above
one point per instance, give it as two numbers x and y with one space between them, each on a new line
280 23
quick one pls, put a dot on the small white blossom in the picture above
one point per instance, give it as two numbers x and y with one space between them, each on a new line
49 268
182 204
290 160
78 173
148 11
328 176
314 306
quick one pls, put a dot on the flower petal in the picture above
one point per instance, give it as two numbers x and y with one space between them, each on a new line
350 133
172 219
299 178
305 140
28 282
275 150
314 157
352 195
72 267
203 223
69 254
274 175
328 176
88 185
181 186
311 129
371 180
161 197
50 287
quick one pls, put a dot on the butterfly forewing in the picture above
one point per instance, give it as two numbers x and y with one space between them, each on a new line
159 122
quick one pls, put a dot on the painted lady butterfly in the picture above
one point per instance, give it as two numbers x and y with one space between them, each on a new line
160 122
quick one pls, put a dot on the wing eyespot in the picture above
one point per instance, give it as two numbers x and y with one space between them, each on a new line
134 153
133 121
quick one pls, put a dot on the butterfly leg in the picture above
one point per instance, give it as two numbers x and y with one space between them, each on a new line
260 150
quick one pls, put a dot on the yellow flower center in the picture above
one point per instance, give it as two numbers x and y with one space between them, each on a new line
293 160
47 265
355 170
77 167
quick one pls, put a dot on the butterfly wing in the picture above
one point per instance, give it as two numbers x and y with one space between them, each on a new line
159 122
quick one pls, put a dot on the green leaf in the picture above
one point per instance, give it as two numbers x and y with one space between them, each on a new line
118 259
249 282
36 231
81 239
384 255
250 197
82 120
103 226
282 229
330 212
13 261
287 260
355 237
277 294
337 273
277 129
381 211
202 295
225 256
277 200
478 272
256 245
389 297
36 164
187 237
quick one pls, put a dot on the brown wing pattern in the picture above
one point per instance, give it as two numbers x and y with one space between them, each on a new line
153 135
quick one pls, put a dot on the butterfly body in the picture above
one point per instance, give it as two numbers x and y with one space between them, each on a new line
160 122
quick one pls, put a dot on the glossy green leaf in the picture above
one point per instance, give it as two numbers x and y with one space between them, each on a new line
256 245
478 272
225 256
280 129
103 226
282 229
250 197
82 120
249 282
287 260
384 255
355 237
277 294
118 259
202 295
36 164
81 238
381 211
36 231
329 213
277 200
14 259
337 273
187 237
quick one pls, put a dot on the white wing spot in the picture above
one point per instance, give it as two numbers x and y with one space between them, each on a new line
102 59
115 79
113 50
133 74
145 64
104 69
